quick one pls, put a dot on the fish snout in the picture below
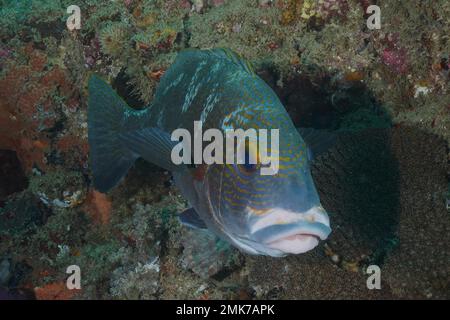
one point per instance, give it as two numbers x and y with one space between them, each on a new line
291 232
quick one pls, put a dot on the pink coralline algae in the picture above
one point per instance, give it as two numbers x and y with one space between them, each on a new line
328 9
393 54
92 52
395 59
217 3
127 3
5 53
185 4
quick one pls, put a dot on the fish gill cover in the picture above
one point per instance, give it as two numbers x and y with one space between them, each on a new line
384 93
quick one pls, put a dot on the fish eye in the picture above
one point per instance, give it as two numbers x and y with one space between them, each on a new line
247 166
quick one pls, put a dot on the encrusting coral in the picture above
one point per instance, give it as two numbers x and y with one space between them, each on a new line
115 39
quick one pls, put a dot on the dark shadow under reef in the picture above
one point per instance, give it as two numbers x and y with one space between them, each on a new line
383 187
12 176
358 180
358 183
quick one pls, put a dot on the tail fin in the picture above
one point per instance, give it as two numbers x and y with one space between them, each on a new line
108 117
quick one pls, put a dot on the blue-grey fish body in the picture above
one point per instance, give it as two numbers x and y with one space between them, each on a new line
260 214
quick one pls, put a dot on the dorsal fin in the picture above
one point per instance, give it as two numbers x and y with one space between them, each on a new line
233 57
224 54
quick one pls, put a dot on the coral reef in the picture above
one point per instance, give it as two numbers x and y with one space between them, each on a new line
114 39
313 11
29 107
385 92
59 188
142 282
206 255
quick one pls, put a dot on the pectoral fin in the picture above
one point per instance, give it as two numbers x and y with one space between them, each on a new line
191 219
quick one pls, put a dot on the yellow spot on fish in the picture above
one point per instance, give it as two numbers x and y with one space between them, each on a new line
258 212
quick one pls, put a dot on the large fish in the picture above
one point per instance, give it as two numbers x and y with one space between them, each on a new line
272 215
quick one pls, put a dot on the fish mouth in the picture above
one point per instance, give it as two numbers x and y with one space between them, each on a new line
295 242
292 238
277 232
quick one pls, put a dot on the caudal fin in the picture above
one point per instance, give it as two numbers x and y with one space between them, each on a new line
108 117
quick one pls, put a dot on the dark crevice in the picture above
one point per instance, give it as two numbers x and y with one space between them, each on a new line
12 176
123 88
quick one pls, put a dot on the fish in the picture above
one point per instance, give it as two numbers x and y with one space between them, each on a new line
274 215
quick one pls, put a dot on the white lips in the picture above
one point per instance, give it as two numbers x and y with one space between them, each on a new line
281 216
299 243
295 241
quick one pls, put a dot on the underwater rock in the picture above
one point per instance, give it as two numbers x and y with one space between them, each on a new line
206 255
59 188
142 282
21 213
